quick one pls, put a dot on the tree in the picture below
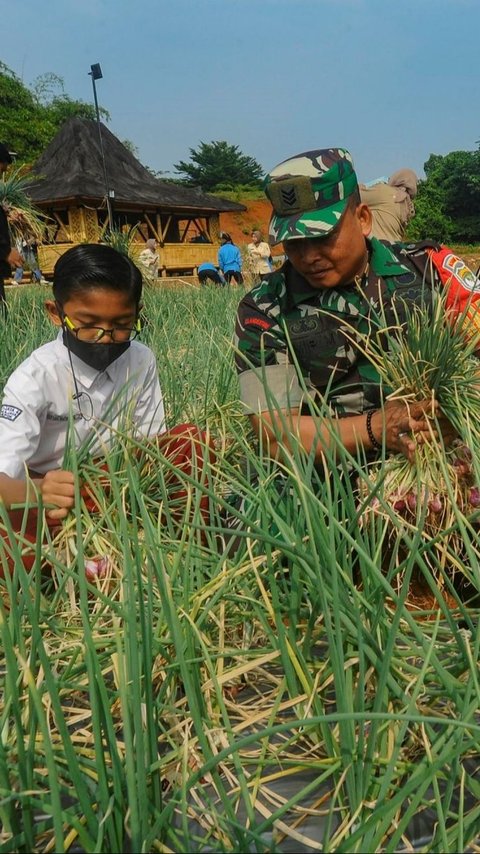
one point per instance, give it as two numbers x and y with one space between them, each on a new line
30 118
20 117
218 165
448 201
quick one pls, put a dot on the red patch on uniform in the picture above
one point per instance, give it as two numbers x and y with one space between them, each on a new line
455 274
257 321
463 288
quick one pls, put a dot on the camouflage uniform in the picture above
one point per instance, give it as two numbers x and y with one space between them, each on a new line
284 322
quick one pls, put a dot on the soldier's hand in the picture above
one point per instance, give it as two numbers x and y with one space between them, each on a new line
408 424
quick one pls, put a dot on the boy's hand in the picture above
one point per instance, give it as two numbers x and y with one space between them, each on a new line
57 487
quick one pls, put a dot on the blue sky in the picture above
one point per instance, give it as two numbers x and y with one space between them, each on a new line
391 80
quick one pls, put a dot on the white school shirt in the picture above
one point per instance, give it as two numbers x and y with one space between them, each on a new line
39 394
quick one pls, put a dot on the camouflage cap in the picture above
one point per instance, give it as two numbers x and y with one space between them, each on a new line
309 193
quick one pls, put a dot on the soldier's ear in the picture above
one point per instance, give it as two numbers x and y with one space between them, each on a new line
364 216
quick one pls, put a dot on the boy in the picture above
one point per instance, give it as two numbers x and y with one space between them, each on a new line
95 368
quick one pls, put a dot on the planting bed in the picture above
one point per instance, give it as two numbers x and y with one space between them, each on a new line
262 684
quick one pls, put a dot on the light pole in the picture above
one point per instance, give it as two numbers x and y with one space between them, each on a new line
96 74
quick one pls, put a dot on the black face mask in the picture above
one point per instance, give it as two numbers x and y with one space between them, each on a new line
98 356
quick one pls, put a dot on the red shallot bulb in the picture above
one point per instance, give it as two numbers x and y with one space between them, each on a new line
474 496
411 501
435 504
96 567
462 467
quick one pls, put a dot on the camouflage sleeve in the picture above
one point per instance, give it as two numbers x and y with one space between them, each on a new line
259 338
267 380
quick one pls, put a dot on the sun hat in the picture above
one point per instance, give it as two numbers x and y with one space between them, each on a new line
309 193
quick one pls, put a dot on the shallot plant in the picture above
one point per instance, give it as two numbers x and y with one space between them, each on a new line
259 680
431 355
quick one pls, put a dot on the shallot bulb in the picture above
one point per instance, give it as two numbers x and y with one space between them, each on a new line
462 467
435 504
412 501
96 567
474 496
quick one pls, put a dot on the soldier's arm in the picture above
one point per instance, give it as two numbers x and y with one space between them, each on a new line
398 425
282 429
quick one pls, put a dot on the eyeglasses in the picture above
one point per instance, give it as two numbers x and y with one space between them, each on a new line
85 405
93 334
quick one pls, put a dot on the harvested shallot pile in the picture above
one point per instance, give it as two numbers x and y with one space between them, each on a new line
431 355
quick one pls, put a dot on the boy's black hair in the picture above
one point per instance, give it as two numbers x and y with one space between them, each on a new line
92 265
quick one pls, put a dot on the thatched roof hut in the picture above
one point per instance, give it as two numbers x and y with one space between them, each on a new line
73 177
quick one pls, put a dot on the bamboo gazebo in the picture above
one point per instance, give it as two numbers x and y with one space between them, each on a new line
79 183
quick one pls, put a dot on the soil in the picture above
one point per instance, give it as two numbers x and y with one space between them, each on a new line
469 254
240 225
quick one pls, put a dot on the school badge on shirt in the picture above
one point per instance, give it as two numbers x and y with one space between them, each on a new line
11 413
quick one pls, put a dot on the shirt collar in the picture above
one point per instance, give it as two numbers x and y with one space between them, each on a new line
382 261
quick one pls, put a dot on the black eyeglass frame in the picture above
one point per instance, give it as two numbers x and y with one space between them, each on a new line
133 331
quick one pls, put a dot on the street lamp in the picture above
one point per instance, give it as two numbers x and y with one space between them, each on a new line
96 74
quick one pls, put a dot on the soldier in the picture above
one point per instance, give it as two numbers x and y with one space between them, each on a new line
294 329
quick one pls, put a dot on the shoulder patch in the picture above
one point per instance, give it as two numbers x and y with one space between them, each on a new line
458 270
257 321
11 413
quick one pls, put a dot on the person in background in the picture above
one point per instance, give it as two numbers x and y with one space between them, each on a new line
148 258
259 256
207 272
9 256
230 259
30 253
199 237
295 331
18 275
391 204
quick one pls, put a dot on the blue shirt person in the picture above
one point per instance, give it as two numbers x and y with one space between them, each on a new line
209 272
230 259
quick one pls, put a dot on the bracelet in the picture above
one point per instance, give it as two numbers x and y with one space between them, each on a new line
374 443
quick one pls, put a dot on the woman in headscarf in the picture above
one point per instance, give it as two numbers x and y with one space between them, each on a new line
149 259
259 256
